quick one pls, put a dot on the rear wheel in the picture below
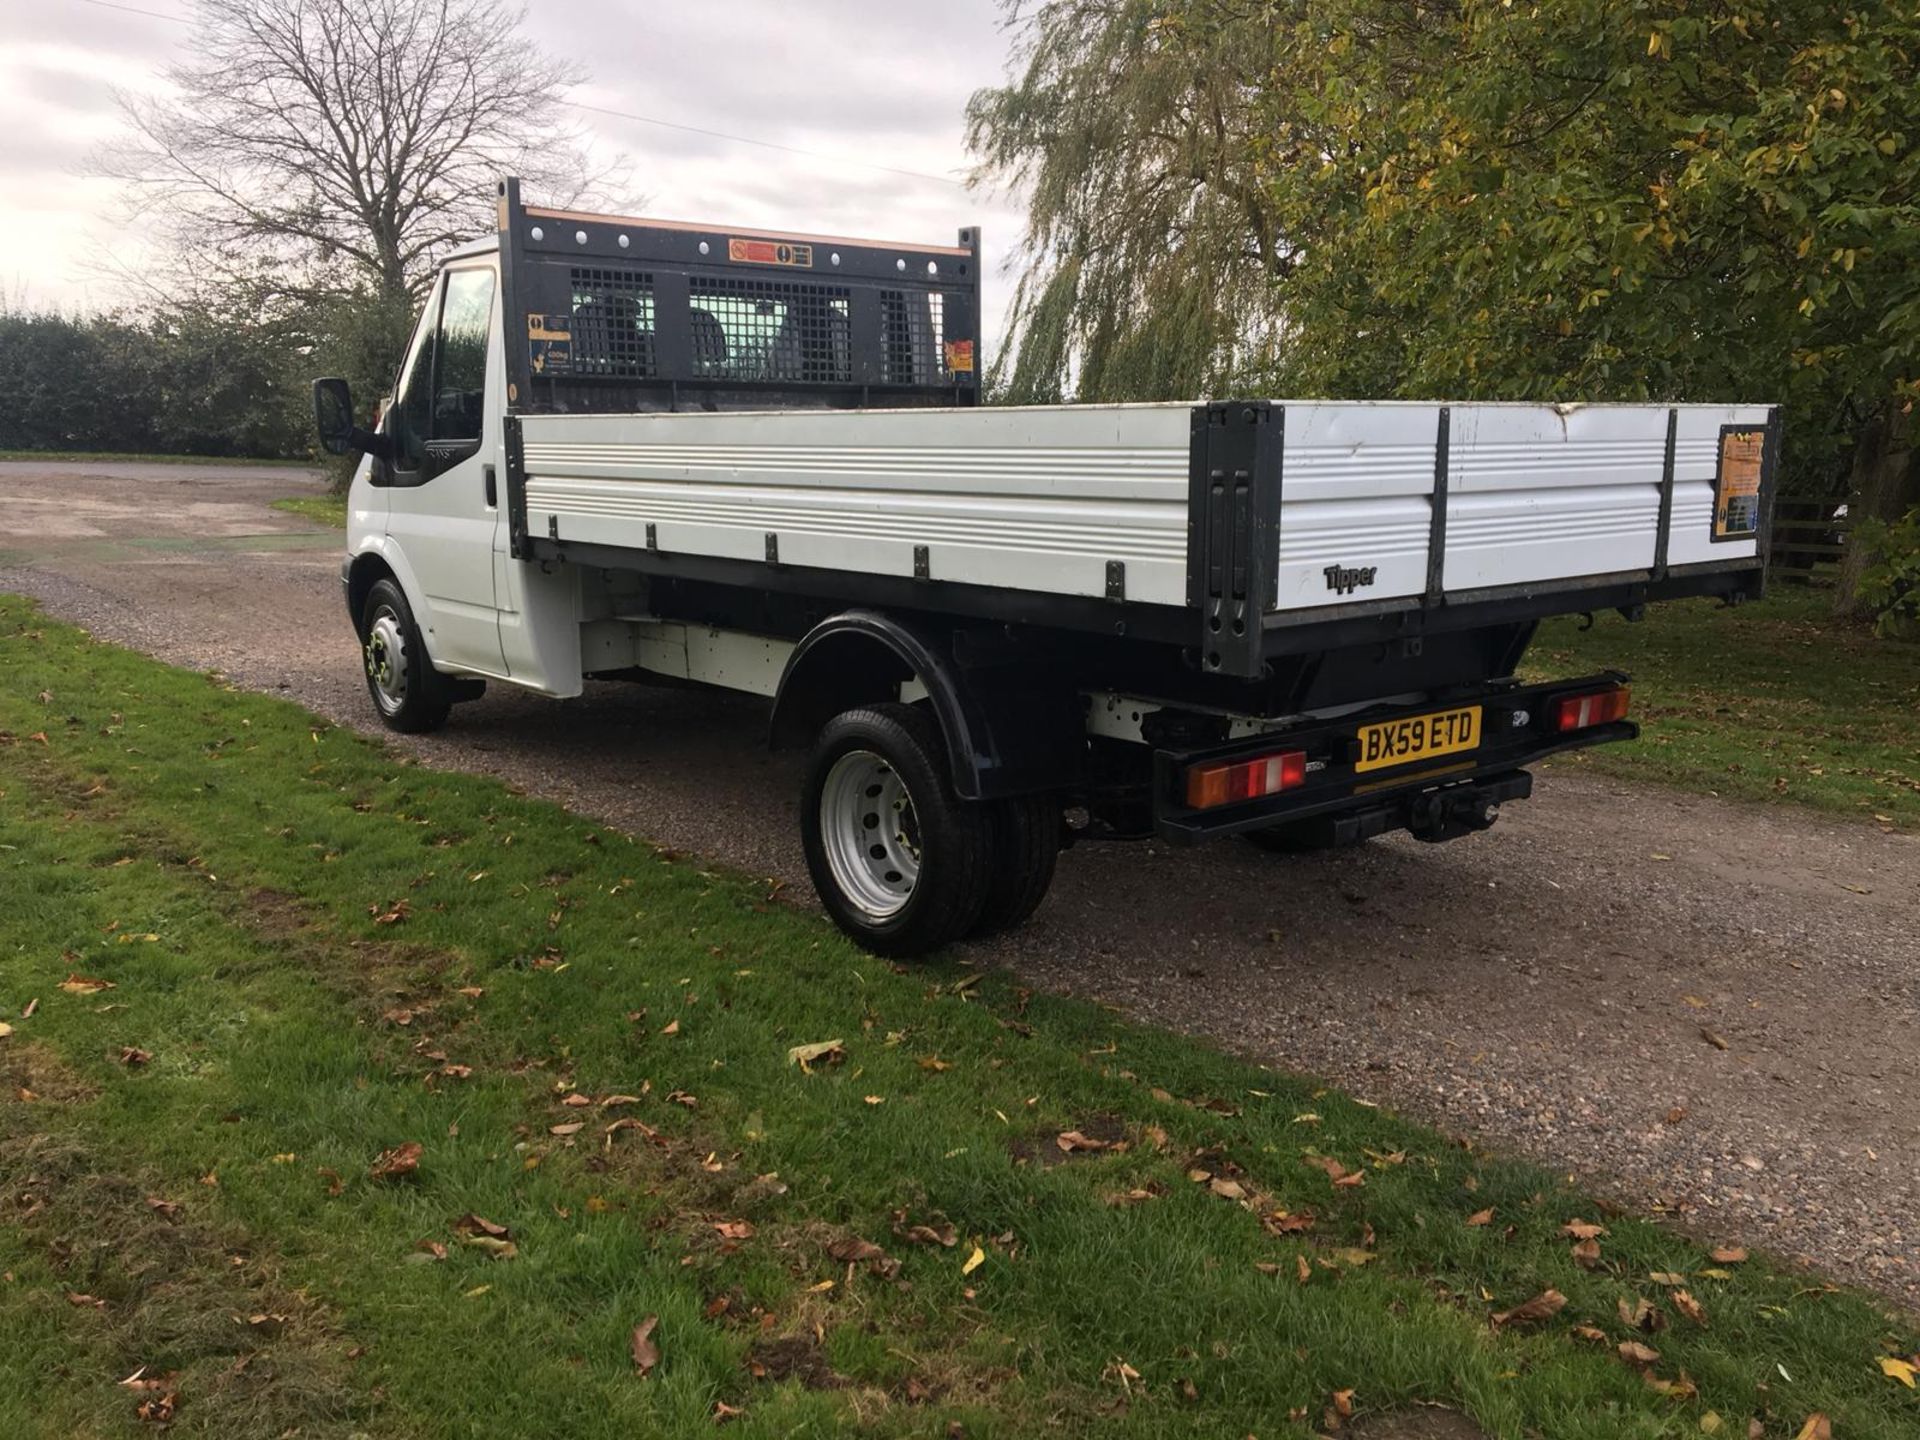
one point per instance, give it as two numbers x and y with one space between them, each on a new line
411 696
1024 833
900 862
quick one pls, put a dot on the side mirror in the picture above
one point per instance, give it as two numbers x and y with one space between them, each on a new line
333 415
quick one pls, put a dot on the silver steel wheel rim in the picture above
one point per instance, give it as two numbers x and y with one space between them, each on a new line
870 833
386 651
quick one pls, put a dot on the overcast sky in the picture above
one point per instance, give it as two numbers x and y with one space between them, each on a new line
881 82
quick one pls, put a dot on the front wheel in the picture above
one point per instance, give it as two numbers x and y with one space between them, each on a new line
899 860
411 696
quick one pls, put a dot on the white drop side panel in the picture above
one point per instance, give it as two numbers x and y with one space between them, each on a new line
1544 492
1036 498
1356 488
1696 464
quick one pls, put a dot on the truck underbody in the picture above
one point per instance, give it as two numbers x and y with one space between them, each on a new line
1295 620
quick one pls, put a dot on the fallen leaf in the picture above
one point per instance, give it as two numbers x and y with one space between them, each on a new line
934 1063
1480 1217
5 1029
392 915
734 1229
1684 1302
1543 1306
471 1224
612 1101
1666 1277
1301 1269
491 1245
1634 1353
928 1235
1591 1332
646 1354
1710 1423
875 1099
133 1055
1897 1369
1072 1141
672 1027
974 1261
335 1185
1712 1039
572 1128
84 1302
1730 1254
1336 1172
1583 1230
1343 1403
32 1005
1586 1254
723 1412
1818 1427
856 1251
165 1209
1227 1189
1640 1316
806 1056
577 1101
1676 1114
399 1161
1352 1255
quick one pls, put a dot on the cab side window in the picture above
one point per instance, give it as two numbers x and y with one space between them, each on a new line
442 395
460 384
409 423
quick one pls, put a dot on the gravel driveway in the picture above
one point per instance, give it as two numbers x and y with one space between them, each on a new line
1705 1008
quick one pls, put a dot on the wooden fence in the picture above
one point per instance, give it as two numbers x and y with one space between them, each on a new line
1808 539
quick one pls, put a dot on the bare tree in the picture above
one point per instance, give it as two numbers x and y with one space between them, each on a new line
310 147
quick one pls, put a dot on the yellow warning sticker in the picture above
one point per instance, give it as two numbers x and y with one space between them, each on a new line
1736 490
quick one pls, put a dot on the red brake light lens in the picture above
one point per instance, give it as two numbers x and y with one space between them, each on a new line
1595 707
1232 781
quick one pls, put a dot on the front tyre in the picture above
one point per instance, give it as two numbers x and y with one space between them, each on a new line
411 696
899 861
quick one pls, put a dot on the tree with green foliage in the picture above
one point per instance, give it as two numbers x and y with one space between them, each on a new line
1595 199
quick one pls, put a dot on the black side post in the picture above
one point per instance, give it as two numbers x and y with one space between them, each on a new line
1666 499
1233 530
513 339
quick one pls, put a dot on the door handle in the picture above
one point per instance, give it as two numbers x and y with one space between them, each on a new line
493 495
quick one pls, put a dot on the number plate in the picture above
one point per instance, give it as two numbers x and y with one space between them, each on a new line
1418 737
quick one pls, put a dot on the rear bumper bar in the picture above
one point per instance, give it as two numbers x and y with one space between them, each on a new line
1516 731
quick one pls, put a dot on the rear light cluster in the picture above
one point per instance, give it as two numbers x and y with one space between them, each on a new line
1232 781
1596 707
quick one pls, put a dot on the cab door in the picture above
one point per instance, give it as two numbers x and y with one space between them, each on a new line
443 508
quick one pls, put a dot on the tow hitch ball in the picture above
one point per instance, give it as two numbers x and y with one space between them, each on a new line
1444 815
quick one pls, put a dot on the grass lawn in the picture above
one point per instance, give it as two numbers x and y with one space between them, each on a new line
327 509
352 1098
1772 701
144 459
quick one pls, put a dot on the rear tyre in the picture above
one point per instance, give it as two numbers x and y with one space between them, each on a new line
899 861
411 696
1024 836
1297 837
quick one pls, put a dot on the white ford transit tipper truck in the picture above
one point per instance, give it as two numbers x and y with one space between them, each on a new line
629 449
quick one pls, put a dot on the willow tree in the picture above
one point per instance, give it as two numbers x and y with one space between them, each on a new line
1152 254
1482 198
